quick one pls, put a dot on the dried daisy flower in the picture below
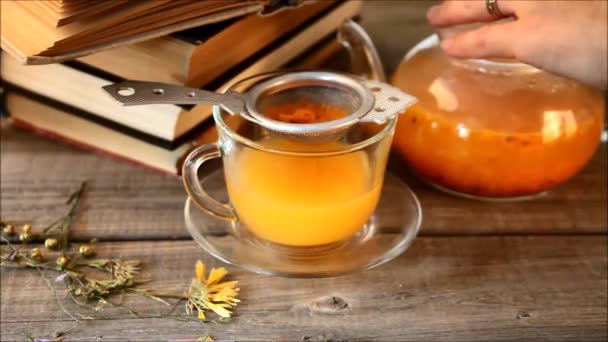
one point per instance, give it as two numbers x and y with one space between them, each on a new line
51 243
27 228
211 293
8 230
62 261
86 250
35 253
25 237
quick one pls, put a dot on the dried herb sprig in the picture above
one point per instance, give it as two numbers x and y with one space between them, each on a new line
204 294
64 223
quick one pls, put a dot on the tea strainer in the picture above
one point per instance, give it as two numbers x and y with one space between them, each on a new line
364 100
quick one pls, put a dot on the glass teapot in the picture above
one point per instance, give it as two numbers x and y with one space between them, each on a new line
493 129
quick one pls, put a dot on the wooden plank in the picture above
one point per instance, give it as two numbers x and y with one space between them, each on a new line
443 288
125 202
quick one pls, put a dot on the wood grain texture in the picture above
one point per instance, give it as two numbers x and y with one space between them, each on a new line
126 202
443 288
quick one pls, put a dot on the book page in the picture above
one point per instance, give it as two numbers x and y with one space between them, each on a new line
155 18
25 33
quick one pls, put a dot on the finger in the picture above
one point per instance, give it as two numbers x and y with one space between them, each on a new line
488 41
456 12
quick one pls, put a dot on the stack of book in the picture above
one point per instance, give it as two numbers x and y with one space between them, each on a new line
57 54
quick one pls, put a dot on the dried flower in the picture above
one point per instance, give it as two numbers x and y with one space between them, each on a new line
12 255
210 293
25 236
62 261
35 253
204 293
8 230
61 277
56 339
27 228
86 250
51 243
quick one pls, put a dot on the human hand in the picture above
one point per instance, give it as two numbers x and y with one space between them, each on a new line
568 38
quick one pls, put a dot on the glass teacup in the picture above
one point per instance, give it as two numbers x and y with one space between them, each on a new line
288 191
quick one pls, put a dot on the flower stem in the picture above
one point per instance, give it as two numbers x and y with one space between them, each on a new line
74 200
160 294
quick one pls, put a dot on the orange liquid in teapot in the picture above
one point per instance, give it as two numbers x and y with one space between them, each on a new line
498 136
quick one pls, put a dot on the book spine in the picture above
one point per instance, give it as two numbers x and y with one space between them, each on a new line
131 132
3 108
83 146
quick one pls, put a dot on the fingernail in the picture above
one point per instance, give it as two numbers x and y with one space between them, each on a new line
432 12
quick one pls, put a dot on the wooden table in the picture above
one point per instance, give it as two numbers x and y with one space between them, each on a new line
535 270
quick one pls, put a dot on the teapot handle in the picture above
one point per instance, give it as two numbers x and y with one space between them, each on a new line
364 57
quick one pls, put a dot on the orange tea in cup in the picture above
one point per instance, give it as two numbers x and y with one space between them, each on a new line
305 198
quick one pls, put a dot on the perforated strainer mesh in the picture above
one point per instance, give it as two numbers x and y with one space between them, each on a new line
363 101
389 103
339 98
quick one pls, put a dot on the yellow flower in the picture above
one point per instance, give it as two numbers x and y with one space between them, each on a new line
205 339
200 271
210 293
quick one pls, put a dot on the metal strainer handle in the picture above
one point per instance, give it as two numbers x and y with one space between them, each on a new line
131 93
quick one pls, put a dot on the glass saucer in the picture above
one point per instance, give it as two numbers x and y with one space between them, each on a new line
389 232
